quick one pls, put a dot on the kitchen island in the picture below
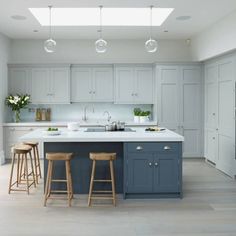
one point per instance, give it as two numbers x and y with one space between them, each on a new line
148 164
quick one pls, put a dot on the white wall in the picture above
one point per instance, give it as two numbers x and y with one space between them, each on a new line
83 51
218 39
4 56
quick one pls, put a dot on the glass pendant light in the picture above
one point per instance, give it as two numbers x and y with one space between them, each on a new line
101 44
50 44
151 44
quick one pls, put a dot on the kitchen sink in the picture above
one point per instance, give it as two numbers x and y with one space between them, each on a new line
102 129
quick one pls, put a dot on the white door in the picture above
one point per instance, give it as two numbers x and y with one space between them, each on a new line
19 81
81 84
211 113
124 83
143 85
60 85
168 97
226 119
41 86
190 110
103 84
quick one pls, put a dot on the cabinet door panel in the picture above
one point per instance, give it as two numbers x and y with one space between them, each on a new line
60 85
166 178
19 81
124 77
41 86
103 84
140 174
143 86
81 85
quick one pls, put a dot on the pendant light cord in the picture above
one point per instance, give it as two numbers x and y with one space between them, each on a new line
100 21
151 22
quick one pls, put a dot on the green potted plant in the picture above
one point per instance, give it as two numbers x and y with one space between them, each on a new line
144 116
137 112
16 103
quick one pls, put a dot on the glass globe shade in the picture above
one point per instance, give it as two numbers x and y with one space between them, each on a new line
101 46
50 45
151 45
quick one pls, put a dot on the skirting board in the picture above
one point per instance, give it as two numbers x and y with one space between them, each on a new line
2 157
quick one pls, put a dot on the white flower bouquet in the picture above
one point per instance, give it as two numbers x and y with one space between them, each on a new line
16 103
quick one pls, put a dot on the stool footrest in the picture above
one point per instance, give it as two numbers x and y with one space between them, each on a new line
59 180
58 191
102 180
102 191
100 197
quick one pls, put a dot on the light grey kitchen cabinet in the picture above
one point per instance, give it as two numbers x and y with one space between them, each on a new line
51 85
134 85
92 84
179 102
19 80
220 114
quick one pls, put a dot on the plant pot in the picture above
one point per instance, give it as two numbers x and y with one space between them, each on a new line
143 119
16 117
136 119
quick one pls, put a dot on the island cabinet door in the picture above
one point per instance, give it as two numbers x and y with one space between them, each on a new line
140 173
166 169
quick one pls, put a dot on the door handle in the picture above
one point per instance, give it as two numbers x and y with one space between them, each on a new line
167 148
139 148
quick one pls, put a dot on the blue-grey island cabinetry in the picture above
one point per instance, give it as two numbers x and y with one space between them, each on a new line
152 169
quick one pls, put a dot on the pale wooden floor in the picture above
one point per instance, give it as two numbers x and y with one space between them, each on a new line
208 208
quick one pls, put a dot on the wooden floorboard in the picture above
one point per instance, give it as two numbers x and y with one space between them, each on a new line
207 209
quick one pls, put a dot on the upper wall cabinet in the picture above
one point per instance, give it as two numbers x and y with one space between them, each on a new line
134 85
19 81
51 85
92 84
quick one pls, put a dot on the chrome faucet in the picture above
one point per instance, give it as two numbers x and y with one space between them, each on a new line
108 115
84 117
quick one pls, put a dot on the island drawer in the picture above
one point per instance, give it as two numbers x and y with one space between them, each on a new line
152 147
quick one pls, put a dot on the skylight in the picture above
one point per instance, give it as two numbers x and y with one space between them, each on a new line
110 16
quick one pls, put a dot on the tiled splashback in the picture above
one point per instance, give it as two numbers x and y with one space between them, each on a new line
72 112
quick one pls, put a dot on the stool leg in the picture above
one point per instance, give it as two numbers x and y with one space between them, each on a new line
46 190
70 178
35 165
26 172
12 169
18 171
32 168
21 168
68 186
91 183
113 183
38 160
50 178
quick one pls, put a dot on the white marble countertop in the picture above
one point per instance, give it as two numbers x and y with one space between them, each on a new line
140 135
89 123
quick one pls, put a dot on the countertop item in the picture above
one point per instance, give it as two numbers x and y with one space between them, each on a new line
82 136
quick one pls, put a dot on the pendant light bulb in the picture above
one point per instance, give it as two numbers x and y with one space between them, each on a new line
50 44
151 44
101 44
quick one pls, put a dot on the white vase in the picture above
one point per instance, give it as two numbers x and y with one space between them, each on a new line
136 119
143 119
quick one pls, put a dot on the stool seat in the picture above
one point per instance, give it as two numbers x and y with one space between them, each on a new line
31 143
21 149
102 156
60 156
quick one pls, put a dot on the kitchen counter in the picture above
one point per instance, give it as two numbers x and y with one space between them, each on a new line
147 165
139 134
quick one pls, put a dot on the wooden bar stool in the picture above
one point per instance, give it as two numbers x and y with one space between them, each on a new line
51 157
37 167
102 157
19 153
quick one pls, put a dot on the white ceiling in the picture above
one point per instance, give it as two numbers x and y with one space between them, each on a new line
203 12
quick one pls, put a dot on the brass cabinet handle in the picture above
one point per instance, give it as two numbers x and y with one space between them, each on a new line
139 148
156 164
167 148
150 164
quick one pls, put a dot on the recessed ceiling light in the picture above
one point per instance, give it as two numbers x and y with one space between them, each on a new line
110 16
18 17
183 18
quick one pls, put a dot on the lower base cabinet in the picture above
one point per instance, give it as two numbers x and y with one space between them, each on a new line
153 170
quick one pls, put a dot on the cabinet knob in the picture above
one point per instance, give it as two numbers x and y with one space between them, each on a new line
217 129
156 164
214 114
94 92
136 94
132 94
150 164
214 138
90 92
139 148
167 148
